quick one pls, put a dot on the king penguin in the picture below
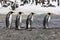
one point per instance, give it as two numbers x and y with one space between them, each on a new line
18 21
46 20
9 19
29 20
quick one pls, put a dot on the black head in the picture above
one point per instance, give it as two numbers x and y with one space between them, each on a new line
49 13
32 13
20 13
11 12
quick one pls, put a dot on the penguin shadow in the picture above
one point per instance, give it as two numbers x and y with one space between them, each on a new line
21 28
13 28
51 28
24 28
29 29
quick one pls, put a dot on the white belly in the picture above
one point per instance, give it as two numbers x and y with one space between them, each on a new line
49 18
20 19
10 19
32 18
29 25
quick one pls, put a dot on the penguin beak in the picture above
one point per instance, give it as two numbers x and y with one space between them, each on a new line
12 12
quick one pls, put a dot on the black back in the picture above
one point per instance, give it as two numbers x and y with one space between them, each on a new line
45 21
17 21
7 19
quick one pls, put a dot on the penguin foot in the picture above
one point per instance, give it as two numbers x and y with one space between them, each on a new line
45 28
19 27
16 29
26 28
9 27
29 29
6 27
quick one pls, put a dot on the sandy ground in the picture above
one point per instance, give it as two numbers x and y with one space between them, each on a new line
53 33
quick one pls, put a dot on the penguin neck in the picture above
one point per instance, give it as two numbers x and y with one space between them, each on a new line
32 18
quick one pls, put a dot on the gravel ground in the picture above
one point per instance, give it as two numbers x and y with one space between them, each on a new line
53 33
35 34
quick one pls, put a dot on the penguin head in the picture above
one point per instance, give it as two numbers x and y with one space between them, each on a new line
20 13
11 12
32 13
49 13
